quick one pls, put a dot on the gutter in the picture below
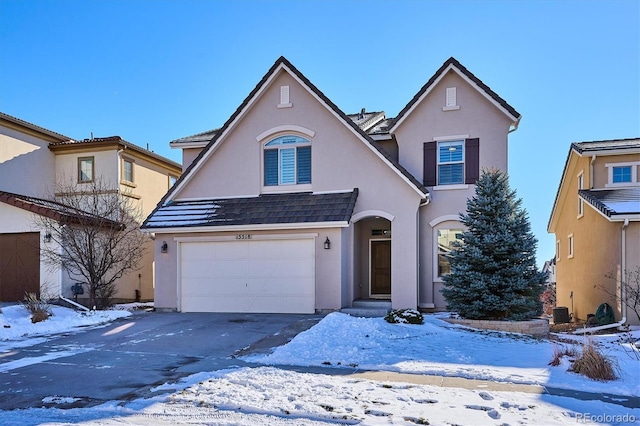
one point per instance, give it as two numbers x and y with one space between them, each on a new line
623 288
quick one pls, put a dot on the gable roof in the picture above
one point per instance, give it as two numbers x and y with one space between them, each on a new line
266 209
16 122
115 142
602 147
283 63
52 209
613 203
453 64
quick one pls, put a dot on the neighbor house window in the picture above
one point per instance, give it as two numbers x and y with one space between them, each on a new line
446 238
127 170
580 202
570 238
623 174
450 163
558 251
287 161
172 180
85 169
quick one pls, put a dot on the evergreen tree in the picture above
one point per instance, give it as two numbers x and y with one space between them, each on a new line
493 271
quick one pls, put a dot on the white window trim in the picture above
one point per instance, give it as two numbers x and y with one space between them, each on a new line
280 188
452 224
580 201
438 163
634 174
450 187
571 246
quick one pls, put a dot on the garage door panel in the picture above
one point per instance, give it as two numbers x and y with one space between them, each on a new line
248 276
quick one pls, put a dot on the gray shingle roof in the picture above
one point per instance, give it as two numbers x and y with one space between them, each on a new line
266 209
612 202
605 145
198 137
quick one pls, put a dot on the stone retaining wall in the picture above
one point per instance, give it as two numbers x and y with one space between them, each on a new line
535 327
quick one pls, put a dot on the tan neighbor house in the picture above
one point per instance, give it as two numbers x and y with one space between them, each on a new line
596 222
32 161
294 206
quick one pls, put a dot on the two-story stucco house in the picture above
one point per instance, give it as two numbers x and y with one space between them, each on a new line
294 206
596 222
32 161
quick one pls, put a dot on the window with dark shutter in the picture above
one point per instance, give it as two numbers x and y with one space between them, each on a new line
472 160
304 164
271 167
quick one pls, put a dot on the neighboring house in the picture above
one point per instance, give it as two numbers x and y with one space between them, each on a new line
596 222
293 206
32 161
549 268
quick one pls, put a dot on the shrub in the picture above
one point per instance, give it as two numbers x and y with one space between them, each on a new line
549 299
558 353
594 364
39 309
404 316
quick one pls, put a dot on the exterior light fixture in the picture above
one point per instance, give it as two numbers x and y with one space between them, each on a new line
327 244
164 247
47 237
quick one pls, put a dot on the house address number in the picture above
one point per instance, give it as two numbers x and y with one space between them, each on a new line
243 236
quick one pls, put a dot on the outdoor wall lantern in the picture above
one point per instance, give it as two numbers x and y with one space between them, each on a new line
163 247
47 237
327 244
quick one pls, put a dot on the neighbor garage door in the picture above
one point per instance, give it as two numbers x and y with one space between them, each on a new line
19 265
268 276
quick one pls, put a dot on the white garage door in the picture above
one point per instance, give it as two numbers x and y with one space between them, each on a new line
266 276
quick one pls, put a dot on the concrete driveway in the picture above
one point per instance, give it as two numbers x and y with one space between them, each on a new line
126 359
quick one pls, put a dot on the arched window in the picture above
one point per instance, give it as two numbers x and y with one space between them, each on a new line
287 161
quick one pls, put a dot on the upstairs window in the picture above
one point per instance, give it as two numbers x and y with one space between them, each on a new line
621 174
85 169
287 161
127 170
451 163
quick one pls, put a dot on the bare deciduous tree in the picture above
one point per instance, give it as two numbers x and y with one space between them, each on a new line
630 281
97 236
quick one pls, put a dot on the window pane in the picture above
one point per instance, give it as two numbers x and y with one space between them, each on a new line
271 167
446 238
622 174
127 171
449 174
304 164
86 170
450 152
288 166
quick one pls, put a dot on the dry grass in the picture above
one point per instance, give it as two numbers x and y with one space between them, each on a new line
594 364
559 352
40 309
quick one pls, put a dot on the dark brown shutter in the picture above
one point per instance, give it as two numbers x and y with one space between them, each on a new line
472 160
430 164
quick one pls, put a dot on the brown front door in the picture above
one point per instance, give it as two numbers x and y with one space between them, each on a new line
380 268
19 265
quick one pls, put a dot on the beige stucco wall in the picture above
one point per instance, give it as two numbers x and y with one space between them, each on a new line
476 118
597 244
27 167
340 161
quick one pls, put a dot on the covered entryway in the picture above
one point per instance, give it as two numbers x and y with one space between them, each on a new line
269 275
19 265
372 254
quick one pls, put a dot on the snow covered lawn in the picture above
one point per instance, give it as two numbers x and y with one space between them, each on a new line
274 396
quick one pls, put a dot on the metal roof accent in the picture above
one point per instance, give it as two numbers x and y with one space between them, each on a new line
613 202
265 209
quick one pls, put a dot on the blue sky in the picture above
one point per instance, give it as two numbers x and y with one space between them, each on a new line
154 71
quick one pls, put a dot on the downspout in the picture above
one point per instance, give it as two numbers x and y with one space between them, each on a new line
426 200
119 160
623 289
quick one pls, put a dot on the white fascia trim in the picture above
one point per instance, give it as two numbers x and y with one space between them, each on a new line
188 145
241 228
285 128
335 191
308 235
451 67
222 136
352 130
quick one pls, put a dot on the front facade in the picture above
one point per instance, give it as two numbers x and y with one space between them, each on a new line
293 206
596 222
33 162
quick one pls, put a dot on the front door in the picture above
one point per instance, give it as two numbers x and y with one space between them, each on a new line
380 268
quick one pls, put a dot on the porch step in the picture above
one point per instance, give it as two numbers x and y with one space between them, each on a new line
368 308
